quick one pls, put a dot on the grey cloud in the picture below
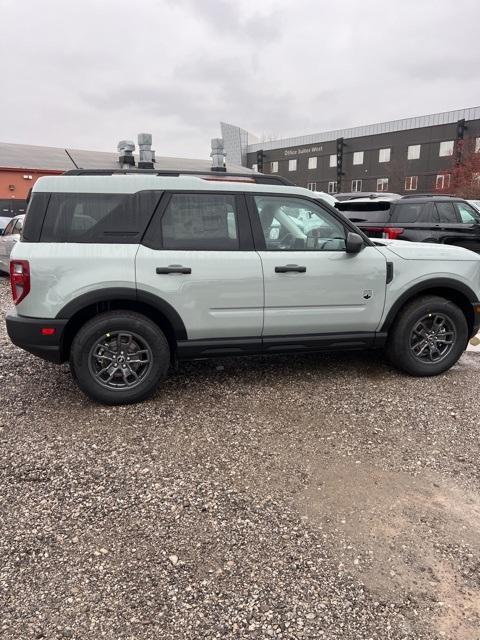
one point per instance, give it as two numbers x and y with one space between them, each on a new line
85 75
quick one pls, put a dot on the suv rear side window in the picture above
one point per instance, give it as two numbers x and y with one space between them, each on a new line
98 217
200 221
407 212
446 212
414 212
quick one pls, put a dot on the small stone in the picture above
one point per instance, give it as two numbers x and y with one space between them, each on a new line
75 539
173 559
310 616
103 551
67 633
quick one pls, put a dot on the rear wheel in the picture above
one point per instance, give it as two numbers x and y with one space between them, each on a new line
428 337
119 357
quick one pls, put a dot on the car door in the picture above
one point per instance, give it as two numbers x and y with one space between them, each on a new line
198 257
453 231
469 226
312 286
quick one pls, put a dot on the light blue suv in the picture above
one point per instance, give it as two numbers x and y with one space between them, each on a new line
122 274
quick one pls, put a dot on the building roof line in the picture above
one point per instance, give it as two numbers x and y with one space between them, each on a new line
415 122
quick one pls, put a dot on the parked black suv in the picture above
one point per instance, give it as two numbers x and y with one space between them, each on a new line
420 218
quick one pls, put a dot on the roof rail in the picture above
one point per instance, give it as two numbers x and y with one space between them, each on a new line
258 178
431 195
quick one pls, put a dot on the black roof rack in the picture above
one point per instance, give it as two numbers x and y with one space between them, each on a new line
258 178
431 195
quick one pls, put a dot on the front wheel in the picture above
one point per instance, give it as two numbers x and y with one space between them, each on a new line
119 357
428 336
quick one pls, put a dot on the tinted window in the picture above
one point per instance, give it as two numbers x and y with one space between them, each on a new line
201 221
365 211
414 212
468 215
446 212
97 217
36 209
292 224
407 212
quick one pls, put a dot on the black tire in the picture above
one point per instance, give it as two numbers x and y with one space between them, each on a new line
105 338
409 351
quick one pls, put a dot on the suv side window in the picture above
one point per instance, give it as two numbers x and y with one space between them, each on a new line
446 212
98 217
293 224
468 215
201 221
406 212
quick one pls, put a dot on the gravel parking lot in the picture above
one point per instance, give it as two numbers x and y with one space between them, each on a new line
324 496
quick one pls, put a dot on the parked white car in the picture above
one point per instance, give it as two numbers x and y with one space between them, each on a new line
8 239
4 220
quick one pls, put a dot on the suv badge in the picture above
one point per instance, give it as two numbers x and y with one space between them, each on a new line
367 294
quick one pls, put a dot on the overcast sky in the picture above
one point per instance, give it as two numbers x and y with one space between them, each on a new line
85 74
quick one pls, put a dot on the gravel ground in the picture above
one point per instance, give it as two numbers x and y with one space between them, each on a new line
324 497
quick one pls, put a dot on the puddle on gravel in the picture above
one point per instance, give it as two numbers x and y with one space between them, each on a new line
404 536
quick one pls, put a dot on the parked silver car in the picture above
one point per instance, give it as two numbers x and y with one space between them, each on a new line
8 239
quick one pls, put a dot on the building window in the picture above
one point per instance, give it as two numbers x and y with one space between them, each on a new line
292 165
312 186
442 181
356 185
413 152
333 160
446 148
358 157
332 186
384 155
274 167
254 167
382 184
312 163
411 183
477 145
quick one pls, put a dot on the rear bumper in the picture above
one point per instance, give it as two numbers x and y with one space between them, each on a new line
26 333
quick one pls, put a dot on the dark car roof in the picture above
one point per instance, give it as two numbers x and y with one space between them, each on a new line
418 199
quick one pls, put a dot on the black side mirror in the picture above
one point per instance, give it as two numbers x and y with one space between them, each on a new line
354 243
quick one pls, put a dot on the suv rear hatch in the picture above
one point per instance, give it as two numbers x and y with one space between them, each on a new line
372 216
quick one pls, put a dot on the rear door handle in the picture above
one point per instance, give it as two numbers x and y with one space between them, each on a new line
174 268
290 267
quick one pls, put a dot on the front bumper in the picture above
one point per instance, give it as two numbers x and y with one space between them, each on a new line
26 333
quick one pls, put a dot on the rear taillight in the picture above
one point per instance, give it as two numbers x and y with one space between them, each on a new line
392 233
19 279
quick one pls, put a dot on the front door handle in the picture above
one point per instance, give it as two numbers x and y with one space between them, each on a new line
290 267
174 268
